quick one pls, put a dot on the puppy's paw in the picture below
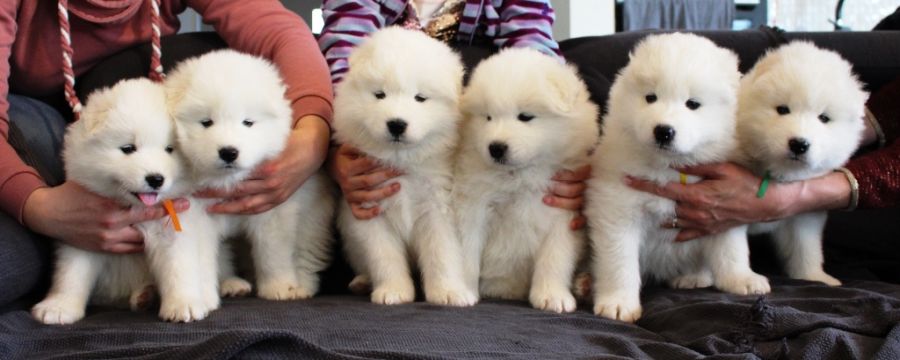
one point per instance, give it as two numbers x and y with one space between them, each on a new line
451 296
144 298
57 311
392 294
361 285
748 283
235 287
618 308
282 290
183 310
820 276
692 281
560 301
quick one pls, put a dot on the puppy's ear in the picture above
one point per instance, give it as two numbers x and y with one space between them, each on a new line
566 88
94 116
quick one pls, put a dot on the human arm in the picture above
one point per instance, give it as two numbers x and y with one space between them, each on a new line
878 172
72 214
347 24
17 180
527 23
726 197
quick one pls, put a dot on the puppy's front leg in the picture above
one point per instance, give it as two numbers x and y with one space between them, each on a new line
554 267
181 266
799 244
728 255
273 236
73 281
617 272
386 261
471 225
440 260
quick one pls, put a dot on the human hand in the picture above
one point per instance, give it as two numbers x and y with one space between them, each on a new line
78 217
723 199
362 181
567 192
274 181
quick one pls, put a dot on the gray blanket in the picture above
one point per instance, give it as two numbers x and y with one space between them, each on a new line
798 320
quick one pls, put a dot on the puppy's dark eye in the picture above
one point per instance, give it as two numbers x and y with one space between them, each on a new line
206 123
692 104
824 118
380 95
489 118
651 98
783 109
128 149
420 98
170 149
248 122
525 117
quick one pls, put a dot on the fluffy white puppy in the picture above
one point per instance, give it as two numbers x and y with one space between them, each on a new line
800 116
399 105
123 149
231 115
527 116
672 105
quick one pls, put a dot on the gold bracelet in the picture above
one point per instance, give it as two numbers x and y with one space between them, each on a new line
879 134
854 188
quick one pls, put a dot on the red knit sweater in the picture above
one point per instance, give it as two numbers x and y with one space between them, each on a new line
878 172
31 57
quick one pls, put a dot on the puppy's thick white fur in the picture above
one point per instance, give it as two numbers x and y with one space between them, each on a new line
225 101
538 111
97 155
665 73
824 107
405 76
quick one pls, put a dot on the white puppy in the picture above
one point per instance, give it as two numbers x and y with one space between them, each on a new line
122 148
527 117
800 116
231 115
399 105
672 105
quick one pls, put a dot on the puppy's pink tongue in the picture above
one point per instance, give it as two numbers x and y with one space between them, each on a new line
148 199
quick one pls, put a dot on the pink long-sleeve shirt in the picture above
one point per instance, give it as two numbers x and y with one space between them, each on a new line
31 56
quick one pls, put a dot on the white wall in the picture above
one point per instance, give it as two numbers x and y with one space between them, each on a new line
190 21
576 18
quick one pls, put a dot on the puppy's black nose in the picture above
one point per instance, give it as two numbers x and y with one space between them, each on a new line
798 146
155 180
498 150
397 127
664 134
228 154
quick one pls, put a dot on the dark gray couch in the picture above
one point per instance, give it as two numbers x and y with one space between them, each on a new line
798 320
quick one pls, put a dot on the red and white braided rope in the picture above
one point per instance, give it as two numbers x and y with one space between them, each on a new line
68 72
156 68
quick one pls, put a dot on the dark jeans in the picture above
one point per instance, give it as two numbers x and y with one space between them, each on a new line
36 132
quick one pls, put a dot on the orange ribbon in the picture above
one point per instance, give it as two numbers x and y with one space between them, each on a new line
170 209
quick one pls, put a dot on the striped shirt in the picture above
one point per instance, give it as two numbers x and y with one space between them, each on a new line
506 23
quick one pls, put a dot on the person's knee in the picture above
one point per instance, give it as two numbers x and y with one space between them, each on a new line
24 259
36 132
